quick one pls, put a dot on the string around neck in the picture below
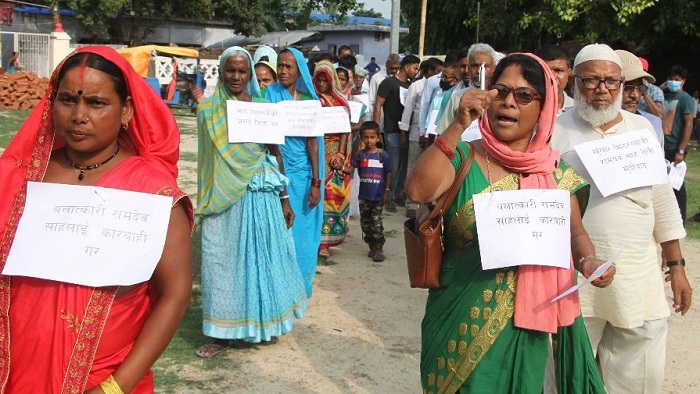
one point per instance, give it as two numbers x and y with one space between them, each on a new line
82 169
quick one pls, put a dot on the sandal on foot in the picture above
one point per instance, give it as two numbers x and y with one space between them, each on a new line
211 350
272 341
324 252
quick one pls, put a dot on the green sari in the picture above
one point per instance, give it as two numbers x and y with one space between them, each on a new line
469 342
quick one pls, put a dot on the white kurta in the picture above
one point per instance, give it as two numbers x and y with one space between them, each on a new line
633 221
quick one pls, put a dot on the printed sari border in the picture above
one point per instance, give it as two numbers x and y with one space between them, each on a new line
85 347
36 168
481 344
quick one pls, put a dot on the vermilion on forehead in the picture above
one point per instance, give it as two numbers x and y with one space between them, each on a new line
88 81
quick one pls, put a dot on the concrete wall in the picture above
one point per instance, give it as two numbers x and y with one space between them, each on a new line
368 43
182 33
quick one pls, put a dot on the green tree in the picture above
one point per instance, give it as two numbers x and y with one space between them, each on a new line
300 11
369 13
528 24
104 20
251 17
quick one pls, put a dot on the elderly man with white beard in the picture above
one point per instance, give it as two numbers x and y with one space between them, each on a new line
626 322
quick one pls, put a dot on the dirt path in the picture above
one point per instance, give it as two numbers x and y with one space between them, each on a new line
361 333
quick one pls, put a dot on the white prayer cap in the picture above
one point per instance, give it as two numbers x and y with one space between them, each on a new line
597 52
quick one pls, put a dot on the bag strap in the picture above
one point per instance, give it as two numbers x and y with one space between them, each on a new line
449 196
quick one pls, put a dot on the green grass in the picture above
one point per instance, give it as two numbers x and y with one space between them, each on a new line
692 186
325 261
10 121
188 156
189 337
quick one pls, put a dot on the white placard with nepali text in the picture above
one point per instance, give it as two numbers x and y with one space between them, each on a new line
89 235
623 162
524 227
332 120
253 122
298 118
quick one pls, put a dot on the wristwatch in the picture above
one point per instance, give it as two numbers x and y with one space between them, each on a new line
681 152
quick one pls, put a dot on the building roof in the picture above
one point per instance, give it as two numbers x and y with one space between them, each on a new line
349 28
351 20
274 39
42 10
354 23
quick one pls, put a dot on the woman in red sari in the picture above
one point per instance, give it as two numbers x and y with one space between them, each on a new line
336 201
99 124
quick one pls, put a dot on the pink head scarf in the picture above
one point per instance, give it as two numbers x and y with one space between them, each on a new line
537 285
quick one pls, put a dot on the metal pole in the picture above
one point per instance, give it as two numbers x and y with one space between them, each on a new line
421 37
395 21
478 19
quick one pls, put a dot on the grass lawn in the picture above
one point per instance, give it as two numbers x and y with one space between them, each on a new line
692 185
10 121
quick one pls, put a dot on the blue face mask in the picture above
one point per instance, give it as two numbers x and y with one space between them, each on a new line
673 86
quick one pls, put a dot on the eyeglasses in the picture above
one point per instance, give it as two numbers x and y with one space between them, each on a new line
523 95
593 83
642 89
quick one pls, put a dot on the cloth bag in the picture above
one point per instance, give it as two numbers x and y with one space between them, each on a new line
423 235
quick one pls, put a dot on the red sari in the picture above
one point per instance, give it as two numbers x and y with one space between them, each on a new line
60 337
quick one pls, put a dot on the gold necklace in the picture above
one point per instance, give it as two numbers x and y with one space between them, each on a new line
488 167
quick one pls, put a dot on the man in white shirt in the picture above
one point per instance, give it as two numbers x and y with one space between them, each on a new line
627 321
410 117
478 54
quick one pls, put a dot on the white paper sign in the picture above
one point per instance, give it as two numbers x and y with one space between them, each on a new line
524 227
254 122
676 174
89 235
472 133
364 99
298 118
332 120
403 92
355 111
595 275
623 162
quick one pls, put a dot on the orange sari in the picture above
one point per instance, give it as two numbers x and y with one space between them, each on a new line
59 337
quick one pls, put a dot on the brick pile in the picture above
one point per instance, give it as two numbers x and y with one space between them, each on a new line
21 90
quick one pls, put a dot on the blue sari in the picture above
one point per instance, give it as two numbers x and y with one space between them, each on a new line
297 168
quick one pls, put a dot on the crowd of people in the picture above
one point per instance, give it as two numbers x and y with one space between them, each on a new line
268 212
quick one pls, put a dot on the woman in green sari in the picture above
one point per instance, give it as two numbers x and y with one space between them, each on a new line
488 331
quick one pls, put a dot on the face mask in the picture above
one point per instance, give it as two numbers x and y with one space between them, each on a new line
673 86
445 85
